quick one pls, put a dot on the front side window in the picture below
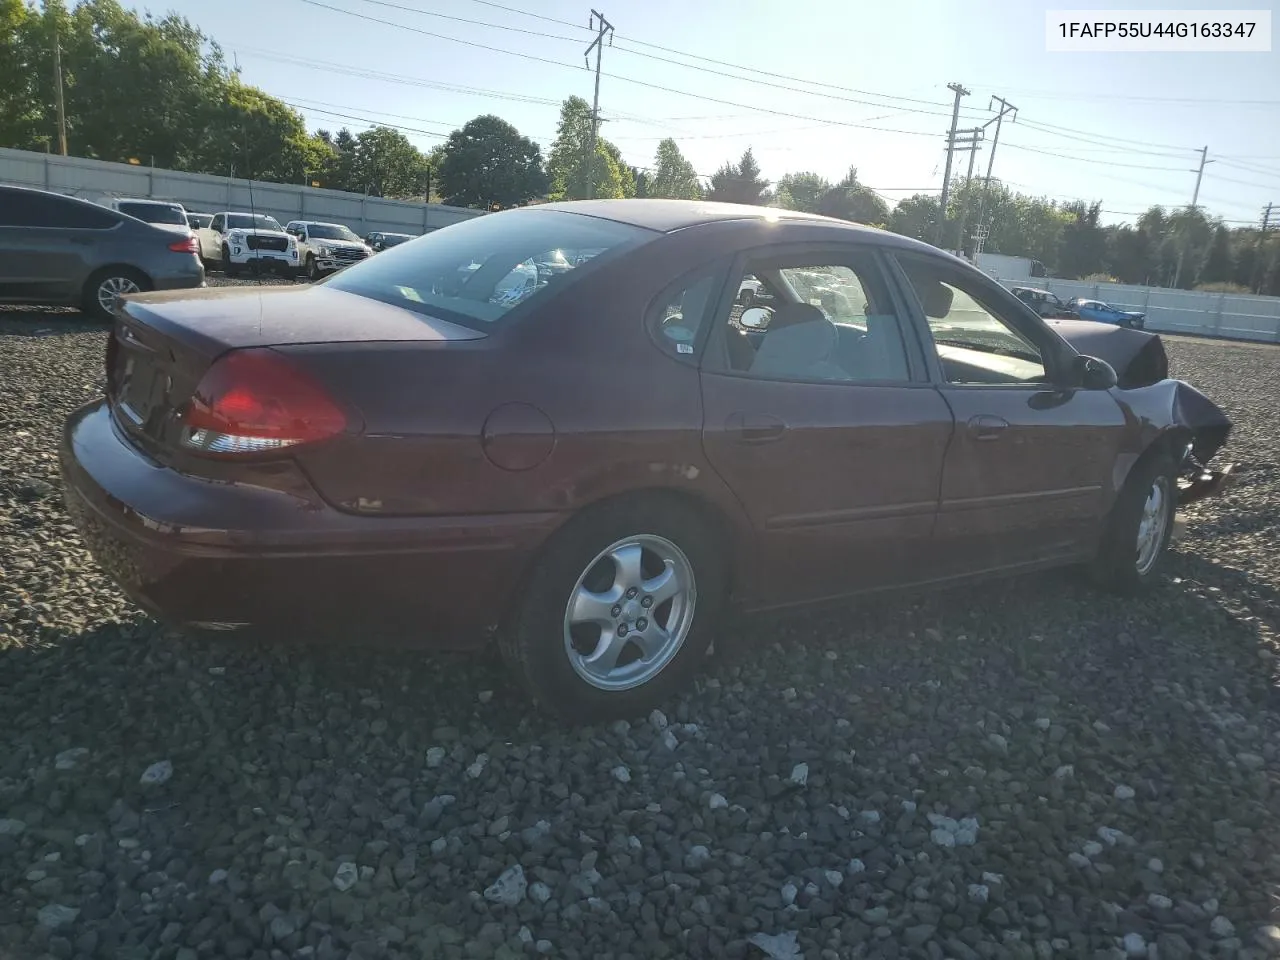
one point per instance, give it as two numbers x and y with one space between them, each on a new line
818 318
974 344
248 221
476 271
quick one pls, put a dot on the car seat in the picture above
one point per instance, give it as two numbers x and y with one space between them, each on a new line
799 343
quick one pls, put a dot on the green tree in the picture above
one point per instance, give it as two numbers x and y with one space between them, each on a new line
22 116
567 166
1219 266
488 161
851 200
1084 244
916 216
386 164
673 175
801 191
740 182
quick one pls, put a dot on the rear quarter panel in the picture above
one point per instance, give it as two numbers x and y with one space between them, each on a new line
624 415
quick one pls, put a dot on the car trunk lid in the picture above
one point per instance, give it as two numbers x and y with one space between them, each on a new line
163 343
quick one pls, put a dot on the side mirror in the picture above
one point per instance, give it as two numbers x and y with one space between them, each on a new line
1091 373
754 318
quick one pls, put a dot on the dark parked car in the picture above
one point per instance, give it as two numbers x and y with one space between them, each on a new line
594 465
378 240
63 251
1046 304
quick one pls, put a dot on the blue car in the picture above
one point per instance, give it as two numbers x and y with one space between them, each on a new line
1105 313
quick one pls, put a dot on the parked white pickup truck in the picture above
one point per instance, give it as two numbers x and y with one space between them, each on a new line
326 247
235 240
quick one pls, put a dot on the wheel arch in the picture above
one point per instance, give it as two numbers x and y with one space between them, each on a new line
718 521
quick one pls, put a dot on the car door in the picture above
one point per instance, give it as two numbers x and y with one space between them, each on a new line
48 244
1028 473
211 238
819 416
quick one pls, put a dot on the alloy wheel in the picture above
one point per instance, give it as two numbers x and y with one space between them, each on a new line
111 289
1153 524
629 613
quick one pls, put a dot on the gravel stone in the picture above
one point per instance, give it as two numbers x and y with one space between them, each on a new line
1013 713
510 887
158 773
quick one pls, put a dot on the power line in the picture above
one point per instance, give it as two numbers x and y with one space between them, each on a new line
615 76
650 56
1105 163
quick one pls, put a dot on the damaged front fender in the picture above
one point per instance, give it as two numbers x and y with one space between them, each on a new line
1171 411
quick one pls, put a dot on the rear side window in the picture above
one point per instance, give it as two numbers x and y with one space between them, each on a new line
476 271
154 212
679 315
21 208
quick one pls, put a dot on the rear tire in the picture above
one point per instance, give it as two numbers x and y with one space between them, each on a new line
1138 530
560 651
103 286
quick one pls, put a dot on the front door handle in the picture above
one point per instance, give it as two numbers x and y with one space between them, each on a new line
984 426
756 428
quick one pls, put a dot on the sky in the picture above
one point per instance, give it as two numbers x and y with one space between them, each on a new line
818 85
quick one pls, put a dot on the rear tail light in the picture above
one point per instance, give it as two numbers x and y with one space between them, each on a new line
257 401
189 245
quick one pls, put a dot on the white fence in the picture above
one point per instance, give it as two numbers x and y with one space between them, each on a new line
98 180
1229 315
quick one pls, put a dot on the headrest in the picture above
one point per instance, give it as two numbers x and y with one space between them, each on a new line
794 349
790 314
935 297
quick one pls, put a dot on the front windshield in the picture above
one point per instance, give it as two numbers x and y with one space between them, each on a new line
247 221
331 231
154 212
475 271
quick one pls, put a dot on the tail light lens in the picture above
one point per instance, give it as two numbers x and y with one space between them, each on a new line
189 245
256 401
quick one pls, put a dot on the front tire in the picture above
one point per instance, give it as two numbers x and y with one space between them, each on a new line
102 290
228 268
1139 527
619 611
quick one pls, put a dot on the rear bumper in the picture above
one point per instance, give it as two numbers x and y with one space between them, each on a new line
194 551
184 279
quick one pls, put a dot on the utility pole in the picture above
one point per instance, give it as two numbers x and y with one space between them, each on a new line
1258 272
1195 197
1005 107
601 28
969 142
959 91
57 92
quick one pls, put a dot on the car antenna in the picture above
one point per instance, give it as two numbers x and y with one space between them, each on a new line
253 213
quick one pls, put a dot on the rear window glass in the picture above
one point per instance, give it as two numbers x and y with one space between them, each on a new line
154 212
245 221
475 271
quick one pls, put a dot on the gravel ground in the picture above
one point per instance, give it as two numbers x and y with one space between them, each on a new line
1029 770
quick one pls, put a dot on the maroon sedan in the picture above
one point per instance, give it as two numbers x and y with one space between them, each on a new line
448 440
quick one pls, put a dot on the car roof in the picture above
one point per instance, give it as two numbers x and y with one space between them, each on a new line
666 216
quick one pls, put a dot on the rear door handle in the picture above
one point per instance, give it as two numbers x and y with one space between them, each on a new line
756 428
984 426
